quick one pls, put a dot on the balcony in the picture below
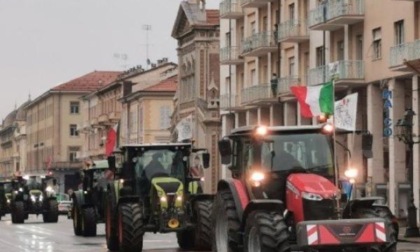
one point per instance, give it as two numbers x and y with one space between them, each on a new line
103 119
336 14
257 94
259 44
345 72
285 83
293 31
405 57
231 9
231 56
94 122
114 116
254 3
229 101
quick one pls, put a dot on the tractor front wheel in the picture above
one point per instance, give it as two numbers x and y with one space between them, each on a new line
77 219
89 221
130 227
18 213
227 224
111 225
266 232
51 215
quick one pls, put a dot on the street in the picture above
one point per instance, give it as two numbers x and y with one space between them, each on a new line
34 236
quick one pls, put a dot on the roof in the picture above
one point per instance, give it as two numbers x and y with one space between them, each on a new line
166 85
89 82
213 17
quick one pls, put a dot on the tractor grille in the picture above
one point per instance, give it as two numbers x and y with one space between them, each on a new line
318 210
169 187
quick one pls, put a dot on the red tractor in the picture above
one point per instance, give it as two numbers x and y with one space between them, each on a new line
285 195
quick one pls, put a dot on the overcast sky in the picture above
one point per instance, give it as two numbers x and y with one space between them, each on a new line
46 42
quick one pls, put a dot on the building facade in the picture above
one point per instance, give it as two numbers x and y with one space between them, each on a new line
197 32
308 42
52 136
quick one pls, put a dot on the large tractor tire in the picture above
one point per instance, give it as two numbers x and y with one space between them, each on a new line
266 232
111 231
51 214
89 221
18 213
130 227
199 238
390 246
77 219
227 224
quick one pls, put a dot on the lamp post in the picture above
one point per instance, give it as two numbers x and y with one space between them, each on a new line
404 128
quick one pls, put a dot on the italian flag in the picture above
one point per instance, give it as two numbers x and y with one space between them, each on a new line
315 100
111 140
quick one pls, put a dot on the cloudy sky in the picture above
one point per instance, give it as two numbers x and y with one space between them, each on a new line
46 42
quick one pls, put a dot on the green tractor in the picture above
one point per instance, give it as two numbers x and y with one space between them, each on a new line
155 191
34 194
5 196
89 202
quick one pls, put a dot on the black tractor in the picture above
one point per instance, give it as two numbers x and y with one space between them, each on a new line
34 194
5 196
89 202
155 191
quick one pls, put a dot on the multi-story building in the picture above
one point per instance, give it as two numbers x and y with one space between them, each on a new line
52 118
13 142
108 107
197 32
307 42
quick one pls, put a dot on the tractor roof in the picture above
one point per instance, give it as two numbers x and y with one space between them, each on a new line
157 146
305 128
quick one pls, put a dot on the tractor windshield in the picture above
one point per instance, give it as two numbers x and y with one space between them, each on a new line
34 183
310 151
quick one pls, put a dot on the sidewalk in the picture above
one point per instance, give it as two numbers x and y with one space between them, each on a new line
401 237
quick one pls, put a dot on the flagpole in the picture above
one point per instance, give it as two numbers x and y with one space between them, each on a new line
334 135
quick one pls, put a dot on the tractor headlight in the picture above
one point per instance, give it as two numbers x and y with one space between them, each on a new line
311 196
41 198
257 177
8 200
179 198
33 198
351 173
20 189
163 199
49 189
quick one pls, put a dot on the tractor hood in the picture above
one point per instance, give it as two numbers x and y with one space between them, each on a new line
313 183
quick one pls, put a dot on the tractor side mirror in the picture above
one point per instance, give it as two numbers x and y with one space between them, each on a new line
367 141
206 160
225 150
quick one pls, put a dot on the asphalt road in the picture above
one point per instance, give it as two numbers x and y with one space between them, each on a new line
36 236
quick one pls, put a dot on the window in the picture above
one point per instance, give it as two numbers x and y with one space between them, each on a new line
292 11
399 32
73 153
265 23
228 41
253 77
320 56
73 130
253 28
377 43
340 50
359 47
74 107
291 66
165 117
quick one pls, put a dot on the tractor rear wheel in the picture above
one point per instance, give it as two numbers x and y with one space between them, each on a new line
18 213
89 221
390 246
227 224
51 215
111 225
130 227
266 232
200 237
77 219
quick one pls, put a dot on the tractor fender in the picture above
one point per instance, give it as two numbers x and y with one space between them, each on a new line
200 197
268 205
366 202
128 199
239 193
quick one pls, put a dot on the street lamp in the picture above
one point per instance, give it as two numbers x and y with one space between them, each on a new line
404 130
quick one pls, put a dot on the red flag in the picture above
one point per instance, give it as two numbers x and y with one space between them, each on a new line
111 140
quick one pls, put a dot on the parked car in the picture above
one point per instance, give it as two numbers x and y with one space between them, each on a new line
64 203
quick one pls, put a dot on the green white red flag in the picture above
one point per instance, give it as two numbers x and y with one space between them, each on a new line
315 100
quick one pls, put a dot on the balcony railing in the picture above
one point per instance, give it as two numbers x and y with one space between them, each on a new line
339 70
231 9
230 55
405 52
286 82
335 14
256 93
293 31
259 43
229 101
253 3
